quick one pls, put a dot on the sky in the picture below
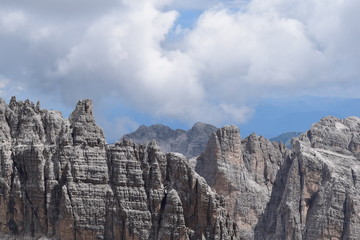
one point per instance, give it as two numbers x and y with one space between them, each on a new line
268 66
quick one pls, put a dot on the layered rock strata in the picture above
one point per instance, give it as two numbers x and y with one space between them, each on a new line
59 180
320 198
243 172
310 192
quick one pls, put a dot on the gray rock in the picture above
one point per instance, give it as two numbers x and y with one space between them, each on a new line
320 199
190 143
59 180
310 192
161 197
243 172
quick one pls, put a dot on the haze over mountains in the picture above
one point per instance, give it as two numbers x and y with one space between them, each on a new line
190 143
285 138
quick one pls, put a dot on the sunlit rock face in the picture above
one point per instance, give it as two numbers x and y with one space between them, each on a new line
243 172
320 199
60 180
309 192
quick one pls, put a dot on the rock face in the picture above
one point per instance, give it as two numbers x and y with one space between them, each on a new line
59 180
190 143
243 172
321 198
310 192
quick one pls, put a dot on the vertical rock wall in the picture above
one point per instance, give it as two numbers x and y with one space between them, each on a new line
320 199
243 172
58 179
310 192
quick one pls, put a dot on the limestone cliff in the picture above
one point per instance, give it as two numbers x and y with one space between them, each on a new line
243 172
310 192
321 198
60 180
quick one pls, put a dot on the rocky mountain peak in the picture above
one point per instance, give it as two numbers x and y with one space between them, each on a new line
84 128
83 111
331 133
59 180
228 138
24 119
190 143
317 194
243 172
223 147
198 126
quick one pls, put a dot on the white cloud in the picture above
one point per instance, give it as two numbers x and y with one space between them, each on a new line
236 53
240 115
276 47
189 4
12 21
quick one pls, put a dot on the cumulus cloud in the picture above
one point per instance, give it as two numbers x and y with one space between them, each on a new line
236 53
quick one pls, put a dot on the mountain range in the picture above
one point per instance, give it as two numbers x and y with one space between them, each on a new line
190 143
60 180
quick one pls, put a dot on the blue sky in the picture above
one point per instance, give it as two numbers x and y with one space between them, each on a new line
267 66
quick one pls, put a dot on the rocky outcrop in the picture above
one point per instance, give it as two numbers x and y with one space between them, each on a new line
161 197
54 172
190 143
60 180
320 199
310 192
243 172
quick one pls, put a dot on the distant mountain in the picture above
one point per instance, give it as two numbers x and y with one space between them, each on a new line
285 138
190 143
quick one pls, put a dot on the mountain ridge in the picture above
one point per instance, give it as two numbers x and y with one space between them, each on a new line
60 180
307 192
190 143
